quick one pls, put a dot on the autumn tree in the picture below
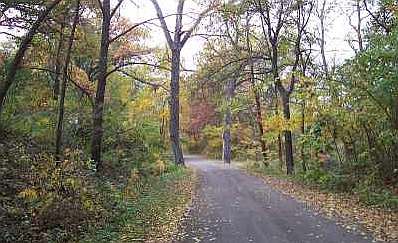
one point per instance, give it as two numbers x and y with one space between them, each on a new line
65 73
275 17
176 40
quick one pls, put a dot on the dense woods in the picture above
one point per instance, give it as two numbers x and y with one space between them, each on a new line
269 81
93 115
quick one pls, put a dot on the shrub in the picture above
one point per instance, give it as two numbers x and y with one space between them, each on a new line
43 201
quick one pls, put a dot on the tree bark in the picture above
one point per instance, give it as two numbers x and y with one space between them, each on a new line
259 120
175 45
227 140
395 113
275 71
58 62
304 162
359 26
175 107
61 107
10 77
288 134
323 42
280 151
98 110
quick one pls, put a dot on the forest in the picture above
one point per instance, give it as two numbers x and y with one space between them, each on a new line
100 111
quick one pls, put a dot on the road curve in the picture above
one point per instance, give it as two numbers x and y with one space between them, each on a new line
233 207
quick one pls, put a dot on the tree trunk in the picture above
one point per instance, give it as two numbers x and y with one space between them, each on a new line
322 40
304 162
227 146
11 73
61 108
259 116
334 133
280 151
259 120
175 107
58 61
288 135
359 26
395 113
98 110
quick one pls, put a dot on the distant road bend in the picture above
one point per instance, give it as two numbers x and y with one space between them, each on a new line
233 207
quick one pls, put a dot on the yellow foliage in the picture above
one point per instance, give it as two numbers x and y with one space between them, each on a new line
73 183
145 103
29 194
164 113
275 123
88 204
81 79
160 167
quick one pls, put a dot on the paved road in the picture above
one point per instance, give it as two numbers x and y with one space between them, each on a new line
233 207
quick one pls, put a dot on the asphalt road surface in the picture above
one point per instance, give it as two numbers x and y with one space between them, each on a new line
234 207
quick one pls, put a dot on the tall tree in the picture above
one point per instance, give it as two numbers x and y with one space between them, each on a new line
322 14
257 98
175 44
98 111
61 108
358 26
275 17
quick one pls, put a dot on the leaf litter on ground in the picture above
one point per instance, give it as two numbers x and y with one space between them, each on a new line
346 209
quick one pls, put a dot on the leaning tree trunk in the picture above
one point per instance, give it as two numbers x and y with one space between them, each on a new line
12 70
61 109
98 110
227 140
288 134
175 107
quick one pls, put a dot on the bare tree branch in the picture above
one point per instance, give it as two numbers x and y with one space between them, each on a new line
116 8
188 33
154 85
163 23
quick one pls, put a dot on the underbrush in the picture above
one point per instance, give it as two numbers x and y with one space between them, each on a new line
45 201
367 186
355 180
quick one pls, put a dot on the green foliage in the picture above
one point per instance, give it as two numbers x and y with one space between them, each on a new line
384 198
316 176
353 179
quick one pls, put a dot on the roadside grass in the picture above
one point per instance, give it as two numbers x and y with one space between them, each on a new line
149 210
